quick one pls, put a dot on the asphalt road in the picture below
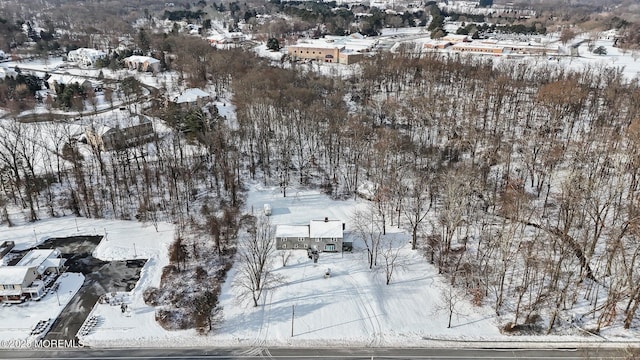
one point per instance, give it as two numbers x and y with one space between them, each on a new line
318 353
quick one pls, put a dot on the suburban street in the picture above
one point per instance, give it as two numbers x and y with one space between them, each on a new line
320 353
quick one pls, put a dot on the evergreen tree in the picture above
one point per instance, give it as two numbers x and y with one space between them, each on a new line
273 44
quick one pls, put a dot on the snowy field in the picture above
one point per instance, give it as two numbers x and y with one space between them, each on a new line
19 320
353 307
123 240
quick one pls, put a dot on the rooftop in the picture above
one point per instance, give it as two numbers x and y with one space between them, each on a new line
38 256
292 231
13 275
142 59
42 259
191 95
325 229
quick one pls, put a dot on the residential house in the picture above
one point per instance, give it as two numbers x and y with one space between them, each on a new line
192 97
46 261
29 278
55 81
223 39
85 56
18 283
108 138
142 63
322 235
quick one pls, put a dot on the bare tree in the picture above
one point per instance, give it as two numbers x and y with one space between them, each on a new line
417 206
255 255
391 256
450 300
285 256
369 229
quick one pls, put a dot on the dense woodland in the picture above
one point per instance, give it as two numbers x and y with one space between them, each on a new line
518 181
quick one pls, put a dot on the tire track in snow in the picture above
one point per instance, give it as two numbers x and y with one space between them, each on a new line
258 345
370 314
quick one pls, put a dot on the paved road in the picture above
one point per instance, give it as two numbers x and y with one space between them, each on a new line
319 353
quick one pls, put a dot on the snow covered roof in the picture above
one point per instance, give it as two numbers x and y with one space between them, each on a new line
141 59
7 72
87 52
13 275
191 95
292 231
325 229
66 79
38 257
340 42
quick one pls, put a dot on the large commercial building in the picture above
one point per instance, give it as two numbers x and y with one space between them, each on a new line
333 49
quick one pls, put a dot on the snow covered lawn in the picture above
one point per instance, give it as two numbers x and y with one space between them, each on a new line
352 307
19 320
122 240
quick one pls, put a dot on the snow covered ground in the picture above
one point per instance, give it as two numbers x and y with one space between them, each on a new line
353 307
122 240
18 320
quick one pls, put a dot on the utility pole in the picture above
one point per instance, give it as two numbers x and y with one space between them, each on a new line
293 314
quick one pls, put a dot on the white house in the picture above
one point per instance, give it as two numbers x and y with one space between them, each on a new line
85 56
322 235
17 283
46 261
29 278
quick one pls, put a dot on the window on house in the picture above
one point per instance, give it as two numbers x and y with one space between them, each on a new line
284 246
300 239
296 246
317 239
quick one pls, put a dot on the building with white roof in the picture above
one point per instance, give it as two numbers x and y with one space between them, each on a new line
30 276
16 283
56 80
46 261
192 96
85 56
333 49
322 235
142 63
7 73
